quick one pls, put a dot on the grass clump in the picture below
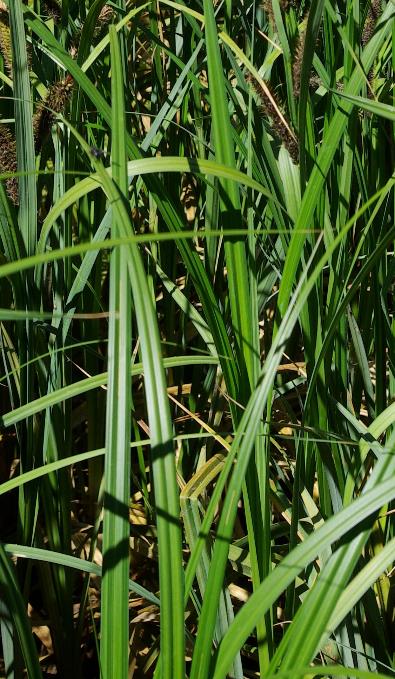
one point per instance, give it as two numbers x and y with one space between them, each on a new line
197 339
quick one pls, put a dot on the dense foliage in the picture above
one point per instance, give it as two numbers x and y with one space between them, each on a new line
197 338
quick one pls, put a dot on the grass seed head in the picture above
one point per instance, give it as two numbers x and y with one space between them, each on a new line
5 39
270 109
374 11
105 17
298 57
52 10
55 102
8 162
268 7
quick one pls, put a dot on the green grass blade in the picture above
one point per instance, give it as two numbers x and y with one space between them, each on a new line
230 201
24 128
166 492
37 554
95 382
13 598
114 639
